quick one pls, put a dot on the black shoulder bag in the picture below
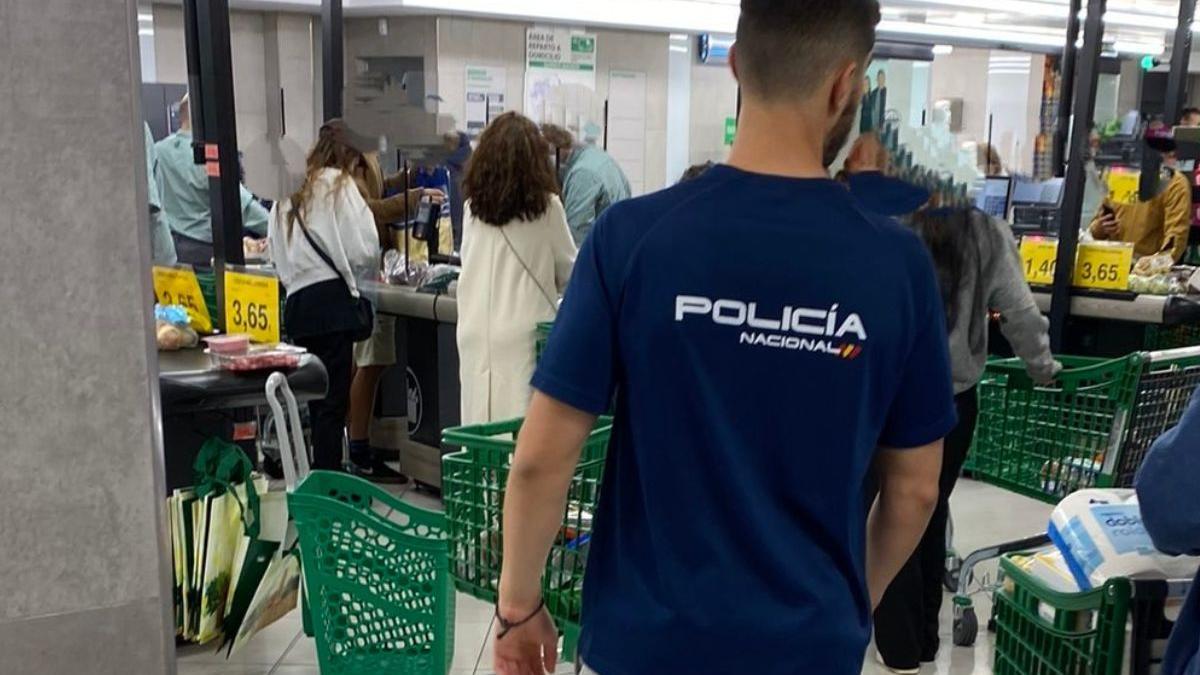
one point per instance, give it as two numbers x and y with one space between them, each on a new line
363 312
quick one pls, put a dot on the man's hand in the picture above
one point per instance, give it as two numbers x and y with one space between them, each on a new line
435 196
1107 227
528 649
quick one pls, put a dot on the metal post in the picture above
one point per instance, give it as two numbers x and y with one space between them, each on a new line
1084 107
331 53
214 125
1181 54
1067 91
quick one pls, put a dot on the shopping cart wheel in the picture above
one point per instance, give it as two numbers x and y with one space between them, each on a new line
966 628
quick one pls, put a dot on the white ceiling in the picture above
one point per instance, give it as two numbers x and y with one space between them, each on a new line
1133 27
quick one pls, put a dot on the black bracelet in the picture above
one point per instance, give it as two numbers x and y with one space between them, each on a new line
506 626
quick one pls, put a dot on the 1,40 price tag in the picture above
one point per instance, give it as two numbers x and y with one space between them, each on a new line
179 286
1104 266
252 305
1039 257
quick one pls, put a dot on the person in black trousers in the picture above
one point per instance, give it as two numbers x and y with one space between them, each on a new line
322 241
978 270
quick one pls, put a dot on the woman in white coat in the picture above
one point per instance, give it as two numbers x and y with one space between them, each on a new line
517 256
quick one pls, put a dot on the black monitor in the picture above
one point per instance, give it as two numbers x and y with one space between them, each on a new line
993 197
1036 205
1046 194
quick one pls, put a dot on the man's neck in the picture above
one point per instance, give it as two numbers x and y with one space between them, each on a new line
778 140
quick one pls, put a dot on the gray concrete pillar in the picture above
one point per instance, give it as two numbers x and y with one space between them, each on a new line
84 566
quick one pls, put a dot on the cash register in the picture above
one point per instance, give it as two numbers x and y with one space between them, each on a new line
1036 205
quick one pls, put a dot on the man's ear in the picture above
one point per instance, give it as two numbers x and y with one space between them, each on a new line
847 87
733 62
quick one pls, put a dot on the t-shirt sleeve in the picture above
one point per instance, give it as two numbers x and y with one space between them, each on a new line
577 367
923 409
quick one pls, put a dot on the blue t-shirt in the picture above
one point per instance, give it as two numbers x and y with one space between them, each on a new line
764 336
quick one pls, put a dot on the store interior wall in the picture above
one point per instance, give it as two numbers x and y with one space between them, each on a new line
464 41
679 105
84 566
271 163
714 99
391 73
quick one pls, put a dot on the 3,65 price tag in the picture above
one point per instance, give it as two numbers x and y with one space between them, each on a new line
1039 258
179 286
1104 266
252 305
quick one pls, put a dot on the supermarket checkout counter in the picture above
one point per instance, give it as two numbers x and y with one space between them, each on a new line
200 401
1113 324
420 396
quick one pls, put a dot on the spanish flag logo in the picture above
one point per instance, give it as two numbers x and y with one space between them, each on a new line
850 351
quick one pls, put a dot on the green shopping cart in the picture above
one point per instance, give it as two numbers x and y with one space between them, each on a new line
1118 628
473 483
1091 428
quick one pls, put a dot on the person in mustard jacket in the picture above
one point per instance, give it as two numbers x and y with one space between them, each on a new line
1160 225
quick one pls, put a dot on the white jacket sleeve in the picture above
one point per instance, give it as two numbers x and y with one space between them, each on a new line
562 244
356 230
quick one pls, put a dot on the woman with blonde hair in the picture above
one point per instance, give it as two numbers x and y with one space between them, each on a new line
517 256
322 240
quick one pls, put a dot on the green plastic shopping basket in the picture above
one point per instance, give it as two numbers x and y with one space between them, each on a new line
473 482
1047 442
543 336
1044 632
208 288
376 576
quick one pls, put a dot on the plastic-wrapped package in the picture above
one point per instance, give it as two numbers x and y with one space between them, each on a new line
172 329
1101 536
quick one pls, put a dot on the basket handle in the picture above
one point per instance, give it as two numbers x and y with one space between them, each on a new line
289 430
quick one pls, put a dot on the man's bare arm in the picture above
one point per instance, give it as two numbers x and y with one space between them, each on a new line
908 495
547 452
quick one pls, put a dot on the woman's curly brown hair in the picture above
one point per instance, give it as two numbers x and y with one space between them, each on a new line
509 177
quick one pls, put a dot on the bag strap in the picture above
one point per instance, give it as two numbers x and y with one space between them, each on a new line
320 251
549 300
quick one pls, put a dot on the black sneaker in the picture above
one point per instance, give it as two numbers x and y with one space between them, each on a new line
376 471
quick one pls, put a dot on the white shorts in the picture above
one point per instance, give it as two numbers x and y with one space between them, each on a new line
380 349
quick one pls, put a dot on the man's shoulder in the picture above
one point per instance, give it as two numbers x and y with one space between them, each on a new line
644 213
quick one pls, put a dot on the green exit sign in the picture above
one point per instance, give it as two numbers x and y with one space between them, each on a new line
730 130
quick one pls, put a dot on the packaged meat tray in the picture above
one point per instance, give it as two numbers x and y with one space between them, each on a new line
274 357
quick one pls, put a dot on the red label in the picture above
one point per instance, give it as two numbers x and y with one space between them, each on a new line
213 169
245 431
211 151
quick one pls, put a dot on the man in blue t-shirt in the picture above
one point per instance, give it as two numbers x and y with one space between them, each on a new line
770 344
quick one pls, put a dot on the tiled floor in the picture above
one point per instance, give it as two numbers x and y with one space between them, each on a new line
983 516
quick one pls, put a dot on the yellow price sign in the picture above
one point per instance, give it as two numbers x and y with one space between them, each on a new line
252 305
1124 186
179 286
1039 258
1104 266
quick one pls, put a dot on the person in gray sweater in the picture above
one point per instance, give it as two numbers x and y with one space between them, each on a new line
979 270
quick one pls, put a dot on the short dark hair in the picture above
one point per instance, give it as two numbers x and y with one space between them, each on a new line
785 48
509 177
1189 111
